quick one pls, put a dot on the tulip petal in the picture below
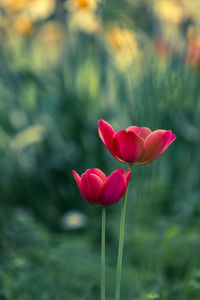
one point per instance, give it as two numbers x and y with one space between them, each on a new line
156 143
141 131
97 172
120 171
114 188
78 181
77 178
106 133
127 146
92 186
170 140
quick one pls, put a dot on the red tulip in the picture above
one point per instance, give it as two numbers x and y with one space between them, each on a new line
98 189
135 145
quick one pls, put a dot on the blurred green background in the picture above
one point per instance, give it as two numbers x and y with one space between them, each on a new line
63 66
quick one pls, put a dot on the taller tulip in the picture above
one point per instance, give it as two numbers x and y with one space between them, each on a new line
135 145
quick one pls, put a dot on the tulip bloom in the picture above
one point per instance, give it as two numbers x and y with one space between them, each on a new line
135 145
98 189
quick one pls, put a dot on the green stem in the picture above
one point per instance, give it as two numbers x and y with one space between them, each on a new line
120 248
103 268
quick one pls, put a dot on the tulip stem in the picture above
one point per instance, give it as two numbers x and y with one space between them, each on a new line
120 248
103 268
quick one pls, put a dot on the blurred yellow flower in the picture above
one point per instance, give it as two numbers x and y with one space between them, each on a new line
21 15
124 44
13 5
84 20
192 9
35 9
81 4
122 39
39 9
82 16
169 11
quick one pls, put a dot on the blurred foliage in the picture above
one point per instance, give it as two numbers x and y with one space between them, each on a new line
63 66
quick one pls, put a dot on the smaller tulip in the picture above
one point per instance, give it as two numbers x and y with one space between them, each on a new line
98 189
135 145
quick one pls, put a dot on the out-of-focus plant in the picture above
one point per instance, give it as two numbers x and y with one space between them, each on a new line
48 44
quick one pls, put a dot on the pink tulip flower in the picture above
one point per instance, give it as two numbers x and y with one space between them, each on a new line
135 145
98 189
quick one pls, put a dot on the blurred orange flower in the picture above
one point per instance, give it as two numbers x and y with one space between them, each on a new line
193 51
161 47
23 25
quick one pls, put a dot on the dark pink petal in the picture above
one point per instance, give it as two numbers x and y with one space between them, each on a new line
141 131
114 188
127 176
120 171
92 186
106 133
77 178
170 140
97 172
127 146
78 181
115 150
156 143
